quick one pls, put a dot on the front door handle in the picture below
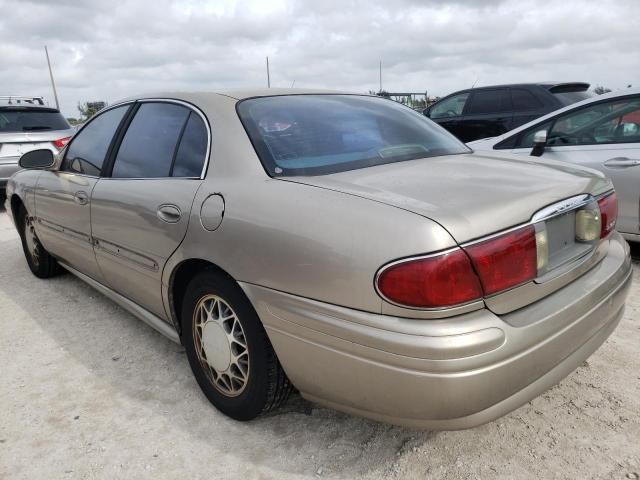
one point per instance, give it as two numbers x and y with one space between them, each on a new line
81 197
621 162
169 213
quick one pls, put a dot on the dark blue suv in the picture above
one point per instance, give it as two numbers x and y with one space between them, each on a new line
491 111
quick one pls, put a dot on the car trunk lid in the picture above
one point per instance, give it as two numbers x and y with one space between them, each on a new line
471 195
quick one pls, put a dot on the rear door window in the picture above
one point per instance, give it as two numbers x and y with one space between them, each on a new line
31 120
489 101
449 107
150 143
89 147
524 100
192 150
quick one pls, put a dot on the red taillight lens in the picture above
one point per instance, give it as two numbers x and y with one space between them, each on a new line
608 213
61 142
431 282
506 260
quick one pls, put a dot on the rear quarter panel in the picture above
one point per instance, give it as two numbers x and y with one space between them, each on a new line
306 241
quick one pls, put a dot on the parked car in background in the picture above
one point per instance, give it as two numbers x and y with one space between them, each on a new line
27 124
490 111
343 244
602 132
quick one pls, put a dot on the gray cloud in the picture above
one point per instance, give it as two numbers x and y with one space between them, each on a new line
109 50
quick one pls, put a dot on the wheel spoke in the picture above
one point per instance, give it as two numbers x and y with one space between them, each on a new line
242 369
208 306
226 381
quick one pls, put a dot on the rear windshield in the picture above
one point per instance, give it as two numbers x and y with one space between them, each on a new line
24 120
323 134
567 98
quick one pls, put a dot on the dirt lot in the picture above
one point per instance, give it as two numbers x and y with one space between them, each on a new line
87 391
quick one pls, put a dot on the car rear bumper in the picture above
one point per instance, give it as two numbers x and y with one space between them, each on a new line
444 374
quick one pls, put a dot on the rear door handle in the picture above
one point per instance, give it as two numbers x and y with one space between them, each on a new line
621 162
81 197
169 213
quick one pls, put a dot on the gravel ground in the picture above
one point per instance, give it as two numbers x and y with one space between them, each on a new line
87 391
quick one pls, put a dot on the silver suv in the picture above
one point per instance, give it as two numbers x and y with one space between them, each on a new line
26 124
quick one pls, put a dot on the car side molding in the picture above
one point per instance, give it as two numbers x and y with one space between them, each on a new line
146 316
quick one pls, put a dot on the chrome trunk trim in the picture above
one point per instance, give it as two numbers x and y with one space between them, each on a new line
561 207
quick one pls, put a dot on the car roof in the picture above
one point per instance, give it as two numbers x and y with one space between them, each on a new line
240 94
547 84
598 98
28 108
237 94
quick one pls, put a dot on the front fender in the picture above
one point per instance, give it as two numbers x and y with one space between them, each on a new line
21 188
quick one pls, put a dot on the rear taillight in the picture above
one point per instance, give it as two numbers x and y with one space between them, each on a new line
440 280
461 276
61 142
608 213
506 260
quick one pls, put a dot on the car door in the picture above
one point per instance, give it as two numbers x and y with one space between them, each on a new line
602 135
63 196
140 211
448 112
488 113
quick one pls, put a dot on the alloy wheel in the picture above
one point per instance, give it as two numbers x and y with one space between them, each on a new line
221 345
33 245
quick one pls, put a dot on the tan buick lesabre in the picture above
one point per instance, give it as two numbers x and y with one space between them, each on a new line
340 244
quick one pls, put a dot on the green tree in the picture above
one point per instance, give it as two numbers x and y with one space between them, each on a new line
599 90
89 109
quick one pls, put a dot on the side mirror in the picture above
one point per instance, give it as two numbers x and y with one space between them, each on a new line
37 159
427 112
539 142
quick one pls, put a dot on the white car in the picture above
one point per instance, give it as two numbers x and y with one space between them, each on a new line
602 132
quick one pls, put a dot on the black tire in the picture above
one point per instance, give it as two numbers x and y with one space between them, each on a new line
267 386
41 264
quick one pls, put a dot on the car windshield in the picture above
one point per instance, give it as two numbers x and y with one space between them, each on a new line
30 120
298 135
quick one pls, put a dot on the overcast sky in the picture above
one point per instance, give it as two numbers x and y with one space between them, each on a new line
106 50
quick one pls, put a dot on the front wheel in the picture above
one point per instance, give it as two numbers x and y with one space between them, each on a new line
41 264
228 349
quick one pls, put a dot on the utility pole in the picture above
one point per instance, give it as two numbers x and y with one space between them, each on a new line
268 76
53 83
380 91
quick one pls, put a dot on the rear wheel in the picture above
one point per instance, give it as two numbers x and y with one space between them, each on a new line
228 349
40 262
